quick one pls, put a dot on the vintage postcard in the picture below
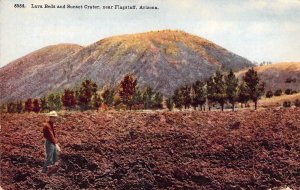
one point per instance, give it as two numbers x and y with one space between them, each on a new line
149 94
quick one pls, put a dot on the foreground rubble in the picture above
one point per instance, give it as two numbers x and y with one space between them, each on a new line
156 150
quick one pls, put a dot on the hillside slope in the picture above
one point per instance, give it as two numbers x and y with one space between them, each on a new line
36 73
163 60
275 75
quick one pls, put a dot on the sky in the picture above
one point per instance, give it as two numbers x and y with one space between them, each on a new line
259 30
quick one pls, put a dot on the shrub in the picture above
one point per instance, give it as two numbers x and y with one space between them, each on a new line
287 104
297 103
278 92
288 91
269 94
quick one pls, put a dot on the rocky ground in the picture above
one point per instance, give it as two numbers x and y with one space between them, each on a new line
156 150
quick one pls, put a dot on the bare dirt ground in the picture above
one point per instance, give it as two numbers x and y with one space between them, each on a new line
156 150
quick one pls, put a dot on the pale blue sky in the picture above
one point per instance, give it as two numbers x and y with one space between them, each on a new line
259 30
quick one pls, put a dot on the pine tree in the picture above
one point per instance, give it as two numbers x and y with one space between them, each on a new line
220 88
158 100
97 101
87 90
19 106
148 96
44 104
178 99
28 105
186 92
254 86
108 96
232 88
243 94
54 101
127 90
58 103
11 107
138 97
51 100
170 104
211 91
198 94
69 99
36 106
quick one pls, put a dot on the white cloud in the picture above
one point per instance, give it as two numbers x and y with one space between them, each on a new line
275 5
259 28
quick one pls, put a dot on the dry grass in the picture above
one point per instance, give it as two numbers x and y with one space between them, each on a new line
278 100
284 66
288 66
165 40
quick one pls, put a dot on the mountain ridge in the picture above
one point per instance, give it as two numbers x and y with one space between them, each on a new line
163 60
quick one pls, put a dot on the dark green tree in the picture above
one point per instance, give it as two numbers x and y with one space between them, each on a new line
178 99
28 105
170 104
148 96
44 104
254 86
58 103
36 106
54 102
186 92
127 89
232 84
220 88
243 94
87 90
198 94
51 102
108 96
12 107
97 101
68 99
138 97
211 92
19 106
158 100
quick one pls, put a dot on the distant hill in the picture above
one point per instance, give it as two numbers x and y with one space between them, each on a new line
278 75
163 60
35 74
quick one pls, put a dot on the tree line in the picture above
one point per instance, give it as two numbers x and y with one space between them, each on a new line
88 96
218 89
